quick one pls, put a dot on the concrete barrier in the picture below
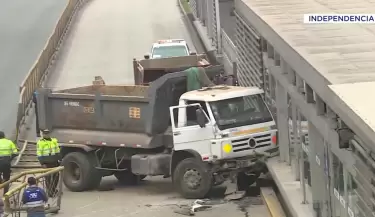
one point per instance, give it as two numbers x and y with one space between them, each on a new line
39 70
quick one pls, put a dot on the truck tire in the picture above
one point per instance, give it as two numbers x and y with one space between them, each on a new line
192 178
128 178
244 181
79 172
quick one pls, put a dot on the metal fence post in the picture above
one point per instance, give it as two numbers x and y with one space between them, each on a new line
210 18
218 27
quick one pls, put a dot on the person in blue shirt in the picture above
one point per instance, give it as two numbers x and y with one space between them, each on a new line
35 94
34 199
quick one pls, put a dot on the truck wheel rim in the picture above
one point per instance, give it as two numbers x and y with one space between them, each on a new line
74 171
192 178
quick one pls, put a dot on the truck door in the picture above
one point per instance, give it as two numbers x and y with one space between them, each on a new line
187 134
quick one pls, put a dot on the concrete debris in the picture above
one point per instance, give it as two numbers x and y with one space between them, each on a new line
184 211
199 205
196 206
237 195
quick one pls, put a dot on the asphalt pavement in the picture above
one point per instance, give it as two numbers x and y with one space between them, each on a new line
108 35
153 197
25 27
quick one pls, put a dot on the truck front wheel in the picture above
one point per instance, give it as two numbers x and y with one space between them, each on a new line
79 172
192 178
128 178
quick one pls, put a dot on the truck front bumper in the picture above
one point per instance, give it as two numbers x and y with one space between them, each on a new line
253 162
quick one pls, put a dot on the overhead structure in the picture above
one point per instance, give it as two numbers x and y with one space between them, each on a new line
315 74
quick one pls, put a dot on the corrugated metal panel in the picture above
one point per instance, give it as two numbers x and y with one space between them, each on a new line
249 50
364 180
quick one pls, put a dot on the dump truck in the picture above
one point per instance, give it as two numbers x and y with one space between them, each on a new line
199 138
148 70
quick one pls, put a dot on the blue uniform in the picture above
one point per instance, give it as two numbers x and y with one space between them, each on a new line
34 199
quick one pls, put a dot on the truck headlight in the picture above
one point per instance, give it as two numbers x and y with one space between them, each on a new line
227 148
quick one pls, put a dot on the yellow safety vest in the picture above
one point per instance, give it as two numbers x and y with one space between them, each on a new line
47 148
7 148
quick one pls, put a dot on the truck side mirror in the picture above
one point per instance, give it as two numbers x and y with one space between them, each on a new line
201 118
147 56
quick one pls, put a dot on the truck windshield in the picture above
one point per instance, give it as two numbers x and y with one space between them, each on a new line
169 51
240 111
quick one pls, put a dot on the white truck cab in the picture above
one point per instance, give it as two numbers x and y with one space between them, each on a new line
169 48
223 122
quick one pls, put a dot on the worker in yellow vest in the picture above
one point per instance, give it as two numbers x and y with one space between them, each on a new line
8 151
48 152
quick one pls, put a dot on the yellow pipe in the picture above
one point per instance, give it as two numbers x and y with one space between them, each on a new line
45 172
16 177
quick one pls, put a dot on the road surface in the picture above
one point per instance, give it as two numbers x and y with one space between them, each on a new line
109 35
105 39
25 27
152 198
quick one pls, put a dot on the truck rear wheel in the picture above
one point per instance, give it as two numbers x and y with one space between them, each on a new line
79 172
128 178
192 178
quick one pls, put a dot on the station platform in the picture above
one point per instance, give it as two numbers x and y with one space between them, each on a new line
290 190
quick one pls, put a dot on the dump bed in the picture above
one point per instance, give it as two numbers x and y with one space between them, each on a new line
148 70
114 115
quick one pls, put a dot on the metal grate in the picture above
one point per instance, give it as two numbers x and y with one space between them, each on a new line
249 50
193 6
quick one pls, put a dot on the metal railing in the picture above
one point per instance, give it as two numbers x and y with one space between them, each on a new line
229 54
39 70
207 12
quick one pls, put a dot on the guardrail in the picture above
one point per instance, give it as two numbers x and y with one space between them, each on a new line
229 54
39 70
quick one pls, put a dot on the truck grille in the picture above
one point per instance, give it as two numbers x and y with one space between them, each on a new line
251 142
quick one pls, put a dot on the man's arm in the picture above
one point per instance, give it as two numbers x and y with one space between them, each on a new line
39 148
24 197
14 149
56 142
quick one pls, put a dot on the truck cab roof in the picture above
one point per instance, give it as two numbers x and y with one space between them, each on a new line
220 92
